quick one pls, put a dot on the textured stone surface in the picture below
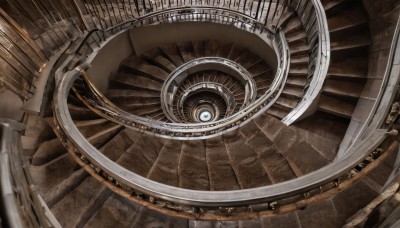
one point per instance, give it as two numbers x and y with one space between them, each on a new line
165 170
115 212
140 157
221 173
304 158
324 132
281 221
114 148
80 203
48 151
246 163
319 215
352 199
50 175
193 171
276 166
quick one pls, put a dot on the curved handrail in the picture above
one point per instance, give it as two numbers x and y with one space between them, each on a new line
20 204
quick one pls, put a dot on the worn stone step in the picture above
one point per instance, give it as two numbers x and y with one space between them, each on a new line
186 51
246 163
137 66
343 88
199 47
128 94
48 151
235 52
140 156
336 106
350 16
156 58
81 203
221 174
193 170
171 53
81 113
50 176
137 82
275 165
165 169
211 48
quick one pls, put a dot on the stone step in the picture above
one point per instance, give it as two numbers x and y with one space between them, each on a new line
144 110
211 48
53 175
128 94
297 38
293 26
343 88
137 66
186 51
165 169
278 112
275 165
137 82
155 57
193 170
141 155
221 174
48 151
299 60
81 203
236 52
292 92
172 54
336 106
224 49
349 67
350 16
246 163
81 113
199 47
248 59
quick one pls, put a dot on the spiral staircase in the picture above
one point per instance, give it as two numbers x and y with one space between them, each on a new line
199 130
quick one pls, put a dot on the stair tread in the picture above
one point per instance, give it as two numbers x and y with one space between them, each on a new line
193 171
81 202
347 17
343 88
245 162
141 155
336 106
165 169
221 174
274 163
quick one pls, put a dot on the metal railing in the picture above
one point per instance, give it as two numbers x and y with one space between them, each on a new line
20 203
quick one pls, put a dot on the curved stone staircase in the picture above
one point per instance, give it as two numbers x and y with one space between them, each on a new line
262 152
136 88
